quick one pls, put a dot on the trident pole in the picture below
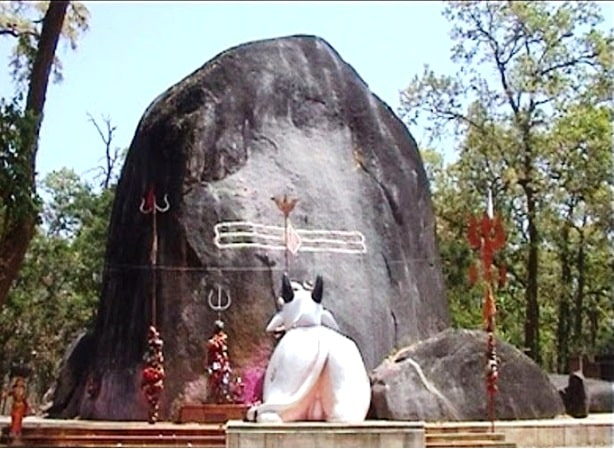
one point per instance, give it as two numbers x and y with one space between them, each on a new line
285 243
285 205
150 206
153 256
487 236
153 375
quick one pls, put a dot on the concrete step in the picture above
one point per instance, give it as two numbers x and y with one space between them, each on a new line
463 436
114 441
457 428
152 431
143 436
469 443
446 436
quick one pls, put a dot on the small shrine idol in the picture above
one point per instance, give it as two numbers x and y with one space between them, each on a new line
19 408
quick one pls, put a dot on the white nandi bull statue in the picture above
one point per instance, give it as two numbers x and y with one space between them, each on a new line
315 373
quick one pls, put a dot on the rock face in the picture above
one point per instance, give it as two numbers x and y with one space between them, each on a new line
601 395
260 120
443 378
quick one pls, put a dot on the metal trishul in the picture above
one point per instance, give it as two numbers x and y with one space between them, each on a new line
149 204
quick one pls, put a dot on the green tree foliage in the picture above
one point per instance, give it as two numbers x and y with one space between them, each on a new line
56 293
530 109
21 21
578 223
15 129
36 29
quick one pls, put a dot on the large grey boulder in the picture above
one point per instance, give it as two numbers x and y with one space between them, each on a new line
266 118
443 378
601 395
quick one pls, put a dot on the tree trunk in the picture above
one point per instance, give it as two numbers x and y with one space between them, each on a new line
50 35
579 294
531 323
563 318
593 318
16 239
531 327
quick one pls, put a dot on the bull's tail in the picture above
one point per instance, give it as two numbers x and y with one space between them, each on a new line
315 371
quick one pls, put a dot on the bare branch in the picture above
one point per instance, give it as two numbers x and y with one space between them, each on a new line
555 44
111 157
9 31
501 65
516 43
106 139
584 59
14 33
452 116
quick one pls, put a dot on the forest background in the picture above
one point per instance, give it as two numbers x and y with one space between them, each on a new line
524 111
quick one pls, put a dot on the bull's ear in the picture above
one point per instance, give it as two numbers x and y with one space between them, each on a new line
286 289
316 293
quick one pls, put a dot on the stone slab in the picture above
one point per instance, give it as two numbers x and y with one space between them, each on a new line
596 430
324 434
211 413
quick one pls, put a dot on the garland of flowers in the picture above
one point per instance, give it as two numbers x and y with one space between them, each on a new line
222 386
153 373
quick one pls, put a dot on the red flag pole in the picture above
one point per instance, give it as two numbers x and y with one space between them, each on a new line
285 205
487 236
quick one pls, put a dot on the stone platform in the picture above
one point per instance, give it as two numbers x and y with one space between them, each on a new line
323 434
596 430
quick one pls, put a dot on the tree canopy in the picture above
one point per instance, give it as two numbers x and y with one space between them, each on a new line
529 111
55 296
36 28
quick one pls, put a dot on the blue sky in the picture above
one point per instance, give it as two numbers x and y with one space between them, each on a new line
134 51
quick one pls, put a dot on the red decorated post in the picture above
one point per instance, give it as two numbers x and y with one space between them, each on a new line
487 236
152 382
223 387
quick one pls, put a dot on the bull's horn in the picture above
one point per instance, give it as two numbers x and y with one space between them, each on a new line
316 293
286 289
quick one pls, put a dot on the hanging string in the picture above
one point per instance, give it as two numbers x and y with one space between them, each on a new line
244 268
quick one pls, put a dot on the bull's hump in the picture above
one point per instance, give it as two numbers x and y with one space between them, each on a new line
308 321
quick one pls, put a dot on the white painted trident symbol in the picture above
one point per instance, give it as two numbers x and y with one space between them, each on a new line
219 306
